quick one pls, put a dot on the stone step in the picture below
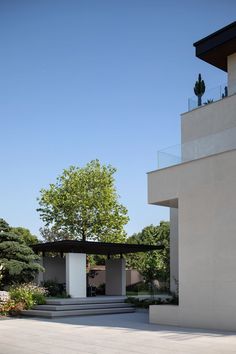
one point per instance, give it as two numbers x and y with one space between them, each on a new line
87 300
81 306
86 312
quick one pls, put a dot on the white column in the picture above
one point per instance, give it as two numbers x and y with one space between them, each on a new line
76 274
115 277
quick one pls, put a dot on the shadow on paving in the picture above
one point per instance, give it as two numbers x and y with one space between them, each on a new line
135 321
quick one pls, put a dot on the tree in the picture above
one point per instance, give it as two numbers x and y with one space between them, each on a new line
4 226
55 234
152 265
199 89
18 261
25 235
83 204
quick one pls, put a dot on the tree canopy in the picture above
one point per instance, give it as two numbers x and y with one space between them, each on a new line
152 265
18 261
83 204
25 235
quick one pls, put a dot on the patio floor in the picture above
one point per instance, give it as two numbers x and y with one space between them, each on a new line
113 334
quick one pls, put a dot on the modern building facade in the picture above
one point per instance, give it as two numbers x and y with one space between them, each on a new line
198 183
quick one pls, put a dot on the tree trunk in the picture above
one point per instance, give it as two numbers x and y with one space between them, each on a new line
199 100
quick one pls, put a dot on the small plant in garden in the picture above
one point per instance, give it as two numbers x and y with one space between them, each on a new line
11 308
28 294
225 94
145 303
209 101
199 89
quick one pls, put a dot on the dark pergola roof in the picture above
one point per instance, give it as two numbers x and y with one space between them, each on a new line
215 48
89 247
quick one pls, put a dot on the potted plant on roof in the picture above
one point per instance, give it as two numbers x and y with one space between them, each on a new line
199 89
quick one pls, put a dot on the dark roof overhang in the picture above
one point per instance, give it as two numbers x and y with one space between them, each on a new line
89 247
215 48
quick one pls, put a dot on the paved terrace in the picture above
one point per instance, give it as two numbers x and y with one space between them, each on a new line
110 334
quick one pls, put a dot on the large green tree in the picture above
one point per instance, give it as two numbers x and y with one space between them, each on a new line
152 265
18 261
83 204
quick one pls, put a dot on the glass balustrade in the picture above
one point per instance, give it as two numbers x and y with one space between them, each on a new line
196 149
210 96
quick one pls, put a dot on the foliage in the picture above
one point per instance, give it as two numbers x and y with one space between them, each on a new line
101 289
83 204
199 89
25 235
11 308
208 101
55 234
143 288
18 260
54 289
4 226
152 265
225 94
145 303
28 294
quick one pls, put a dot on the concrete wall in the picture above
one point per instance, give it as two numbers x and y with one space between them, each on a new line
132 277
207 120
206 193
54 269
115 277
174 250
231 63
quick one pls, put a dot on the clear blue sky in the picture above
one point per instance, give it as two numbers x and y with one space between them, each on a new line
102 79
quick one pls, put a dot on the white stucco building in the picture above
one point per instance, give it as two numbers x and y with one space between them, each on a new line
200 188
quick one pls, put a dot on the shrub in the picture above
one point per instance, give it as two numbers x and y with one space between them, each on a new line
28 294
54 288
145 303
101 289
11 307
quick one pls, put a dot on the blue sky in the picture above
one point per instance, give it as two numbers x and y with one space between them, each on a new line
102 79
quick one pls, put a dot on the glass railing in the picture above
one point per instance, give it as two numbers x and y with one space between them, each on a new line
196 149
209 96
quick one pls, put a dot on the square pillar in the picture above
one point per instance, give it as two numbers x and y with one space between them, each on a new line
76 274
115 277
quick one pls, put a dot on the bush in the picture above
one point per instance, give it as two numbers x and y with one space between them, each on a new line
11 308
54 288
101 289
145 303
28 294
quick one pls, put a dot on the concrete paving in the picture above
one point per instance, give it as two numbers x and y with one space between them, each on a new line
109 334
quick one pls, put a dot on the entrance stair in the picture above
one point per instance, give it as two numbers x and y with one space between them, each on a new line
99 305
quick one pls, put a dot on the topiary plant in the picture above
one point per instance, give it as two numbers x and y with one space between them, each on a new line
199 89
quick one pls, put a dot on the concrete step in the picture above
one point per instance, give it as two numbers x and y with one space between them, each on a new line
86 312
81 306
87 300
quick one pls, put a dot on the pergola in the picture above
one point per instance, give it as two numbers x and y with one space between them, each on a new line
76 252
